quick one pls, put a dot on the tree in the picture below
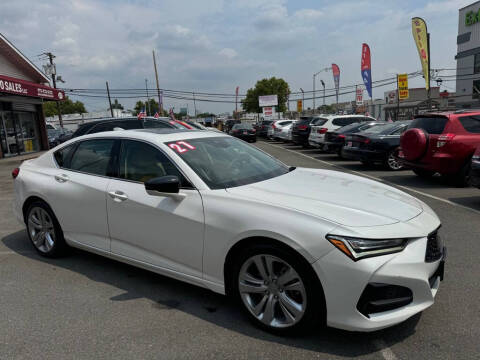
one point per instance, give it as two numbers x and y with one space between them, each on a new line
272 86
67 106
117 105
143 105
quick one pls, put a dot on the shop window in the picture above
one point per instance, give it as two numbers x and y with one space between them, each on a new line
476 64
476 89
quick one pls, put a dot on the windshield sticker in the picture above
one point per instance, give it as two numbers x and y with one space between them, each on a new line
181 146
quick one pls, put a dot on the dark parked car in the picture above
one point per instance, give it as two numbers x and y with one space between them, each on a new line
58 136
442 143
245 132
301 129
110 124
229 124
378 143
335 140
262 128
475 169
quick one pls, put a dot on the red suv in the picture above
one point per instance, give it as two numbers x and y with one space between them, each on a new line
443 143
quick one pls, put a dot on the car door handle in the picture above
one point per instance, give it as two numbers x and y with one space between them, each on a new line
118 196
61 178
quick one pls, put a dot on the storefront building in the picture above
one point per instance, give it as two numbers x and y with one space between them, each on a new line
468 57
23 88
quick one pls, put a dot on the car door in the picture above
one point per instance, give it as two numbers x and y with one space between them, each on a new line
78 191
163 231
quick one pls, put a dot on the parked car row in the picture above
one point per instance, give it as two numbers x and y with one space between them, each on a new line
447 143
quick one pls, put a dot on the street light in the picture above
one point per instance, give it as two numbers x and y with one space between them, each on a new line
314 75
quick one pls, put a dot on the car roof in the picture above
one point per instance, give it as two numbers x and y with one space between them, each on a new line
154 135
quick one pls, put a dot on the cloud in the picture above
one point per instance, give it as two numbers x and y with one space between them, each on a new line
228 53
308 14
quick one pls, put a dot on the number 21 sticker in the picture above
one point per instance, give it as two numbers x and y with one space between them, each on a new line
181 147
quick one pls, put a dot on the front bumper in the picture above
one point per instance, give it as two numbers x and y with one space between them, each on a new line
345 281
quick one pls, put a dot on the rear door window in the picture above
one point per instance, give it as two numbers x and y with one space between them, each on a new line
432 125
62 156
105 126
128 124
93 156
471 123
318 122
344 121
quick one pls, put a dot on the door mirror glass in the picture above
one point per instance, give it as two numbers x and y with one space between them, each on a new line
164 184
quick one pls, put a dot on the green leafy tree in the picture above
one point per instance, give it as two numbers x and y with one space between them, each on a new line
140 105
117 105
67 106
272 86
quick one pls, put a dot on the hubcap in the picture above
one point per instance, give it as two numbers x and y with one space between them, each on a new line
393 163
41 229
272 291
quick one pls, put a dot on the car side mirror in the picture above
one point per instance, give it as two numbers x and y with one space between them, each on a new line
163 186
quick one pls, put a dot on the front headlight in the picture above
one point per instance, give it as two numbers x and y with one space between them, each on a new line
357 248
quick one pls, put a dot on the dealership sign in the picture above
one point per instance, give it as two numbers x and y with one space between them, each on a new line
268 111
359 96
472 17
27 88
402 81
268 100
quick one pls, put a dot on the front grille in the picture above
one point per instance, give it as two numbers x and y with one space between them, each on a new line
434 247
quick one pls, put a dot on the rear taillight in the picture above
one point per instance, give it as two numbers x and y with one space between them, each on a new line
263 126
341 136
443 139
273 126
366 141
15 172
322 130
302 127
253 130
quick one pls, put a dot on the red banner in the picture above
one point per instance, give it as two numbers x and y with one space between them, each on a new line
27 88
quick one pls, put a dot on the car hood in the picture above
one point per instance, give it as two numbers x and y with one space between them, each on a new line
335 196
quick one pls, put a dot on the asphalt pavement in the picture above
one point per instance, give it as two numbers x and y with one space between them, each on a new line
88 307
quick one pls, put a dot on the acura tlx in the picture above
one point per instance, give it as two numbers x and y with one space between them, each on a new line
296 247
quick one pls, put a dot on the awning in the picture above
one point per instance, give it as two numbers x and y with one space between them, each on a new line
26 88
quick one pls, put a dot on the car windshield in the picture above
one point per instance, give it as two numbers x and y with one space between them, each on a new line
380 128
225 162
242 126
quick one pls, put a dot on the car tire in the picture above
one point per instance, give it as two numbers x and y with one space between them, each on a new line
295 310
392 163
44 230
339 152
424 173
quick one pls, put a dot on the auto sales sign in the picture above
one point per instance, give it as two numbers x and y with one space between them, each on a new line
27 88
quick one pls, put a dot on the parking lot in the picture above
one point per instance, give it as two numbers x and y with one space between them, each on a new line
86 306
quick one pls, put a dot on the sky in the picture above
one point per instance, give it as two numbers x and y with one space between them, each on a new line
216 45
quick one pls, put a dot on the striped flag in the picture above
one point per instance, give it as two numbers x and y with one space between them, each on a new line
156 116
141 114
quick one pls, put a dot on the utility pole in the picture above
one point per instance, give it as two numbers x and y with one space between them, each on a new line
148 99
54 81
194 105
323 84
303 98
398 101
160 105
429 75
109 99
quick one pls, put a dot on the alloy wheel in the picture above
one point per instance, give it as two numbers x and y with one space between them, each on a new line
393 163
272 291
41 229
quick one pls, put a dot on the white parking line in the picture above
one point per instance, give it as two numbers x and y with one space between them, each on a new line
378 179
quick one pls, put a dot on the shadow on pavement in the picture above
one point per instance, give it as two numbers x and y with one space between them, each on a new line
168 294
469 201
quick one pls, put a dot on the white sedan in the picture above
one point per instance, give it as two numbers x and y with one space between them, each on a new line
296 247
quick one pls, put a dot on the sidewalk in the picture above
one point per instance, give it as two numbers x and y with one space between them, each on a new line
20 158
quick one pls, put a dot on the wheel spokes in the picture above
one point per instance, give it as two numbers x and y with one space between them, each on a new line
252 289
261 267
39 239
268 314
293 308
